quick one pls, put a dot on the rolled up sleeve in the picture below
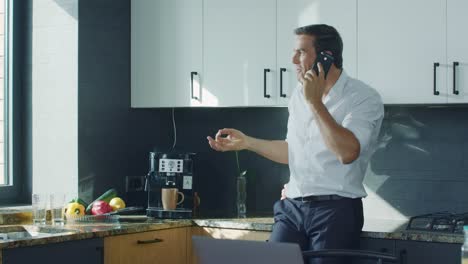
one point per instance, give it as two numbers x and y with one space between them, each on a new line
364 120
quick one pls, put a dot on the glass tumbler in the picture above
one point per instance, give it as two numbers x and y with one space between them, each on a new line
57 203
39 204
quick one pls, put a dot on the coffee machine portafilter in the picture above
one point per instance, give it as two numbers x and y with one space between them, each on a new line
171 170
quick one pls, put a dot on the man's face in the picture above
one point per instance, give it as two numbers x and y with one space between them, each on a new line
304 54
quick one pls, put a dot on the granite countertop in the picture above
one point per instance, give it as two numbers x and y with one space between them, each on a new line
67 232
373 228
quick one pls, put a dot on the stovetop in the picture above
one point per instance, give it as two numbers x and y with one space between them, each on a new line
439 222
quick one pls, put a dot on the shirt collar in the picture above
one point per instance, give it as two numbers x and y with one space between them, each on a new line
337 88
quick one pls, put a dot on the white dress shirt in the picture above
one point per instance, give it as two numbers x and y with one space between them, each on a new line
315 170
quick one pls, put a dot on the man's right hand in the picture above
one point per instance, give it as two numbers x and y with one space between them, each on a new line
283 193
234 140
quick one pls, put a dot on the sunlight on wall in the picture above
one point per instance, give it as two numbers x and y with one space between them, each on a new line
311 15
55 96
206 97
245 84
375 207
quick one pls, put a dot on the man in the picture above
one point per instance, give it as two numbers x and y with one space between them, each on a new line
332 131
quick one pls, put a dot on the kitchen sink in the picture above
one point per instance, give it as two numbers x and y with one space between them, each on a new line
24 232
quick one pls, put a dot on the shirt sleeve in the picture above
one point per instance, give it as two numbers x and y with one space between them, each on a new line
363 119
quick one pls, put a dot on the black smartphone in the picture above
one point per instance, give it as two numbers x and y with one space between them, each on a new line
326 60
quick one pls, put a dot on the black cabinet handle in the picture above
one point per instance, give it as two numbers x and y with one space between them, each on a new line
101 254
265 83
403 256
384 250
191 85
455 64
150 241
436 64
281 82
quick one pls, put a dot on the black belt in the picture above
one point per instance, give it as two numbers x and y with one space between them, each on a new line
318 198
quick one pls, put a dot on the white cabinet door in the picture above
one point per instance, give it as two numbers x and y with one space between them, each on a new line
398 43
340 14
166 46
457 43
239 44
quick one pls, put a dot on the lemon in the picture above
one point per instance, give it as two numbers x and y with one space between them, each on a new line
117 203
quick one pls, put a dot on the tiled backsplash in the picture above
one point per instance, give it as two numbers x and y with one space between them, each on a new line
421 165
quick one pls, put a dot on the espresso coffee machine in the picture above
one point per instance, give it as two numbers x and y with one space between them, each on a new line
171 170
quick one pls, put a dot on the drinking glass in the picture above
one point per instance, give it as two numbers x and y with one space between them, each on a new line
57 202
39 204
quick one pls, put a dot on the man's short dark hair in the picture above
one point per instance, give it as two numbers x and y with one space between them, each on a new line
326 38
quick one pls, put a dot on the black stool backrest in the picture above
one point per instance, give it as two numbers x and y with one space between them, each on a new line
380 258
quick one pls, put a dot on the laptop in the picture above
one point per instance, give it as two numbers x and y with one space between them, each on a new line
216 251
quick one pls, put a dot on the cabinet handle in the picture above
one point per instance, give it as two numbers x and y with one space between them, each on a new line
384 250
436 64
403 256
281 82
265 83
455 64
150 241
191 84
101 255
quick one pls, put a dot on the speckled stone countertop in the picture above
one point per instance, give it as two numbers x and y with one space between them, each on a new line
67 232
373 228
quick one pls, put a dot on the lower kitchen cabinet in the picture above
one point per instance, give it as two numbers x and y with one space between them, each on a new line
162 246
413 252
89 251
386 246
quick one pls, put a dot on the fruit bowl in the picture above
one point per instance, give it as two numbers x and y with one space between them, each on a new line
104 218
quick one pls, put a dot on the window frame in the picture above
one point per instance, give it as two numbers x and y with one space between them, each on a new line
18 187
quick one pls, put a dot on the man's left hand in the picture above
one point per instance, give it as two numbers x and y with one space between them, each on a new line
314 85
283 193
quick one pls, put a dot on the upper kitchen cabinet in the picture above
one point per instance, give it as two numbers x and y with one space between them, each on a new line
166 53
239 51
340 14
225 53
248 63
457 54
402 49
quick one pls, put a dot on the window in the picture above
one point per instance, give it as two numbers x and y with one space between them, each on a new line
11 184
4 175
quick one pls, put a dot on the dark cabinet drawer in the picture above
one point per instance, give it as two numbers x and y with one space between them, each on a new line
89 251
414 252
386 246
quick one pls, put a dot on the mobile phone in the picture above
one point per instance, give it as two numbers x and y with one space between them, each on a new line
326 60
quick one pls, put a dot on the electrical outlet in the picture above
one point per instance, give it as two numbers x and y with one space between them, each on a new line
134 183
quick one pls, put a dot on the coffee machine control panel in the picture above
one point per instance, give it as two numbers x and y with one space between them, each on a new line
171 165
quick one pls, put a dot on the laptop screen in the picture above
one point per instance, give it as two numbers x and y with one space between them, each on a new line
215 251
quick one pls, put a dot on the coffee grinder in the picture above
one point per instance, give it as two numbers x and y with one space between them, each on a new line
171 170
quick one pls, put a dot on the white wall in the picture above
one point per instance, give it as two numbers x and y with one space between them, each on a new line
55 96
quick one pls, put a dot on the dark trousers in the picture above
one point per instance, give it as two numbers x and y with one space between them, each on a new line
332 224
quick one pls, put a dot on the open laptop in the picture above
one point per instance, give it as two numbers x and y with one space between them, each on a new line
216 251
